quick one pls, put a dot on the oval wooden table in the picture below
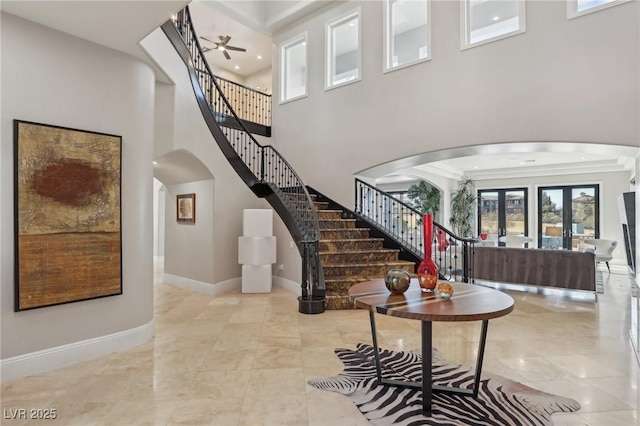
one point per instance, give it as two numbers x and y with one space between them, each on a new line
469 303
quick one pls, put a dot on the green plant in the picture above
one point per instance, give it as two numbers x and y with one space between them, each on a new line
463 203
424 197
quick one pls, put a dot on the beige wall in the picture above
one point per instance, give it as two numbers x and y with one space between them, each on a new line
563 80
52 78
226 195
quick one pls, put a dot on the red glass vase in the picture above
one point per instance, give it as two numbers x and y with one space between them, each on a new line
428 270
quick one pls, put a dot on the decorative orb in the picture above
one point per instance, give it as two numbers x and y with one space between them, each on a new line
445 290
397 281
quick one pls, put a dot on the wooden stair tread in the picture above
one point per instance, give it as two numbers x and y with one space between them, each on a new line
350 239
384 250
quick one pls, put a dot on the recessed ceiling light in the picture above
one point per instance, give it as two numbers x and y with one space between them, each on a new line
155 163
259 56
495 18
237 67
475 167
582 158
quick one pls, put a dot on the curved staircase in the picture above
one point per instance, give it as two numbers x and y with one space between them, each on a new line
349 255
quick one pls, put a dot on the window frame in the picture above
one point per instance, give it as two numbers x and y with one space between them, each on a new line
465 33
388 35
329 57
292 42
573 12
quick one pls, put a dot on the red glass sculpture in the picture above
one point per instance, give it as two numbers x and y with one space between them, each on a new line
428 270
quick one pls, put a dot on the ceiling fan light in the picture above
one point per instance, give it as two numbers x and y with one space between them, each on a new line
221 48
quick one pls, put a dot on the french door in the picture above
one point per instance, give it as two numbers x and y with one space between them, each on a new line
502 212
567 215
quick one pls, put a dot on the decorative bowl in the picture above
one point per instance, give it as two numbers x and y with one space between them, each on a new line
445 290
397 281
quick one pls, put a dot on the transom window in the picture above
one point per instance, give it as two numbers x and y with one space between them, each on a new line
407 33
577 8
343 50
484 21
293 68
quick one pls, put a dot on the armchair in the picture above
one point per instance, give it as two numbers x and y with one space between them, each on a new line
603 249
515 240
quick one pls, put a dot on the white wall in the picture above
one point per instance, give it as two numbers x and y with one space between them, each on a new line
159 199
562 80
190 244
52 78
261 81
225 196
611 185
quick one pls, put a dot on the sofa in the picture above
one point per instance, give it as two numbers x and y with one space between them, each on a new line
563 269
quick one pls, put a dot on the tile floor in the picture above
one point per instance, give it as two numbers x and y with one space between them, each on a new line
245 359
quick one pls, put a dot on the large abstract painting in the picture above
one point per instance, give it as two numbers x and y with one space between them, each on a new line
67 215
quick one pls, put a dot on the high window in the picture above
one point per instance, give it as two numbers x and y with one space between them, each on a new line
407 33
484 21
293 68
343 50
577 8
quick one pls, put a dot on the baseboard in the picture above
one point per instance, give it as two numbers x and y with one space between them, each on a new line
292 286
85 350
202 287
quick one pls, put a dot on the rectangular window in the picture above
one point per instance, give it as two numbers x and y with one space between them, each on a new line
343 50
577 8
407 33
484 21
293 69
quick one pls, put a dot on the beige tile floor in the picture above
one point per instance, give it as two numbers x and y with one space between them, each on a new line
245 359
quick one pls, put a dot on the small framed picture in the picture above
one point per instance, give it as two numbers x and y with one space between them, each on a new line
186 208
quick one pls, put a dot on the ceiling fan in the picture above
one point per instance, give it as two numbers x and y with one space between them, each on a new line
222 46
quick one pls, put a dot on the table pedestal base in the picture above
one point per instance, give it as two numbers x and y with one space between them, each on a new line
426 385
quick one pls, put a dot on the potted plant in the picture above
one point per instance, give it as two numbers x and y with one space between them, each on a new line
425 198
463 203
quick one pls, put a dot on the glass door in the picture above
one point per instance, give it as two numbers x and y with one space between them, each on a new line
502 212
567 215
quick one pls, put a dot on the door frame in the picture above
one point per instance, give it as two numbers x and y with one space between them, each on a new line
502 213
567 213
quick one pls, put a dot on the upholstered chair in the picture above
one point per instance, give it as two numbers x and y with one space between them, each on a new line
603 249
515 240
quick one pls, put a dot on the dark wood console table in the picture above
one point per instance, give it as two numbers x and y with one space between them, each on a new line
469 303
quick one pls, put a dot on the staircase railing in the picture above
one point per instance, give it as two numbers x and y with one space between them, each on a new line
261 167
403 223
251 105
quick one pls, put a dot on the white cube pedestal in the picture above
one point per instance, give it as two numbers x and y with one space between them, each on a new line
256 250
256 279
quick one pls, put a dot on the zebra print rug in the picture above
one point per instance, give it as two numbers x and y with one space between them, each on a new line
500 401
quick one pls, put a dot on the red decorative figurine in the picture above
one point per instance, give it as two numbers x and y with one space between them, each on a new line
428 270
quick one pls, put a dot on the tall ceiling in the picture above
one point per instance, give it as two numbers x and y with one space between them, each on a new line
250 24
121 25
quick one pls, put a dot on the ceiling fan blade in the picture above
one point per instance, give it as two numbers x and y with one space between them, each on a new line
226 54
238 49
206 39
224 39
206 49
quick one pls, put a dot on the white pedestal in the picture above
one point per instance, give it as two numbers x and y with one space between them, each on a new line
256 279
257 222
257 250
